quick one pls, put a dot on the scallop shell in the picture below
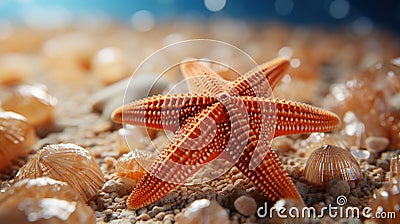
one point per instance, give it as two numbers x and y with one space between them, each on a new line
66 162
16 137
134 165
331 162
43 200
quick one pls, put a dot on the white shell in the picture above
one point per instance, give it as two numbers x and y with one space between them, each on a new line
43 200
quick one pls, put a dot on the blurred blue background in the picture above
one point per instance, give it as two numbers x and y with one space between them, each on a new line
384 14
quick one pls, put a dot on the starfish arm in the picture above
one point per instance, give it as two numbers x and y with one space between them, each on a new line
298 118
162 112
261 80
202 79
273 117
282 117
204 134
269 177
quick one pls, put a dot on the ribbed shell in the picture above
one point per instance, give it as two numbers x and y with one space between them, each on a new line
134 165
16 137
43 200
69 163
331 162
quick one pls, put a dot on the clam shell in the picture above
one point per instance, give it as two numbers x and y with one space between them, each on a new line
33 102
69 163
16 137
134 165
331 162
43 200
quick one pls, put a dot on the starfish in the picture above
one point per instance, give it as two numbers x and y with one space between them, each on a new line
232 120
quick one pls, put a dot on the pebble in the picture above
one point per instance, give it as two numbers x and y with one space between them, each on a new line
223 200
142 211
110 161
384 164
116 187
302 188
318 206
338 187
169 217
245 205
356 192
353 201
160 216
143 216
376 144
203 211
107 212
110 186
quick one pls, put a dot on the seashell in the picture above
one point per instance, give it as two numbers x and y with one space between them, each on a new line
34 103
110 64
66 162
203 211
134 165
14 68
245 205
377 88
42 187
43 200
331 162
17 137
387 200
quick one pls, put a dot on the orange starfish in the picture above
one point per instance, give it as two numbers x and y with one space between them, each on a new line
230 120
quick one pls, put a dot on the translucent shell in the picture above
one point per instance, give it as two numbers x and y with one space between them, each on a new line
331 162
69 163
42 187
369 103
33 102
43 200
134 165
387 200
16 137
317 140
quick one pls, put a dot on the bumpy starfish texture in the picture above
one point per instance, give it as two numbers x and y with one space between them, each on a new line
235 121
